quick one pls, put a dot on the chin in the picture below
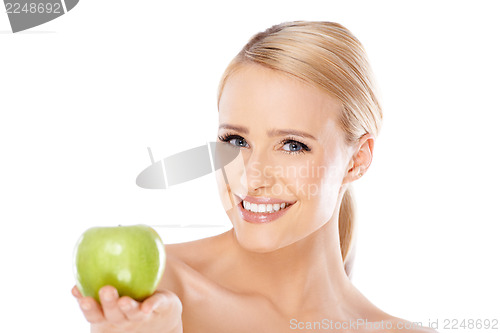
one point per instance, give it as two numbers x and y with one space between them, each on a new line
257 241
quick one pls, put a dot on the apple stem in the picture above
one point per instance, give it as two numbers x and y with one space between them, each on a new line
151 156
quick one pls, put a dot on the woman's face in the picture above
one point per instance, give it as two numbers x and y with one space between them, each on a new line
291 151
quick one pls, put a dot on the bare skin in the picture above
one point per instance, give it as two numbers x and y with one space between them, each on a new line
212 303
276 276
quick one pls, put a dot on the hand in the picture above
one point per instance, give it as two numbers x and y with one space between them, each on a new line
161 312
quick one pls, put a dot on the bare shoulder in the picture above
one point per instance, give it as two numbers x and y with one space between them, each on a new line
188 262
197 253
378 320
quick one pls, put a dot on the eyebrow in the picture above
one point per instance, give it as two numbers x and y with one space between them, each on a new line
273 132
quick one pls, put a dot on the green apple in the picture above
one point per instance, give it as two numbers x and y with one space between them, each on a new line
129 258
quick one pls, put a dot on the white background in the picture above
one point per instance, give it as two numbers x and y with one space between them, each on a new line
83 96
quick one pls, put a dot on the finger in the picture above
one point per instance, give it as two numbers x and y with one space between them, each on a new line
153 302
162 299
76 292
91 310
109 302
131 309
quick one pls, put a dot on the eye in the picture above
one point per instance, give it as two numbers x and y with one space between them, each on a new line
294 146
234 140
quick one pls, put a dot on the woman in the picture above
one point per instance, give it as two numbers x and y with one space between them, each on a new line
299 102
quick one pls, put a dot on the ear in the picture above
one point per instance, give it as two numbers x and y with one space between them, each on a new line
361 159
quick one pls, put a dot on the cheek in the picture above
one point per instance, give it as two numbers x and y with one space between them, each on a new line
316 184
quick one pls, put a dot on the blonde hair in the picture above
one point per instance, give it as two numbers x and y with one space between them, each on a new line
328 56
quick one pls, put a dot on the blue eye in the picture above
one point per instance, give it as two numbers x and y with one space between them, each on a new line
290 146
294 146
240 142
234 140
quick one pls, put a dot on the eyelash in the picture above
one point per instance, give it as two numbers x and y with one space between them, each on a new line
227 137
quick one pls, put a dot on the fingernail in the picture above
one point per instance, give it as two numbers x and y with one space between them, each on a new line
107 294
155 305
125 307
85 305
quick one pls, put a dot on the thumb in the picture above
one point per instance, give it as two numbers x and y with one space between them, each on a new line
164 301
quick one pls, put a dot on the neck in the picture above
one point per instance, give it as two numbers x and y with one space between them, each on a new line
300 278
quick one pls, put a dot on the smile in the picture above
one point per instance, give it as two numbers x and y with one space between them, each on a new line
262 210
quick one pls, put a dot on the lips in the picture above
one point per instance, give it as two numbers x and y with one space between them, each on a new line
265 212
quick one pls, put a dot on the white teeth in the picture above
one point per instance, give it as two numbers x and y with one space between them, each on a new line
263 208
254 208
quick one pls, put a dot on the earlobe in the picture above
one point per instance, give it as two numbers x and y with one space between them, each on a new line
351 170
352 175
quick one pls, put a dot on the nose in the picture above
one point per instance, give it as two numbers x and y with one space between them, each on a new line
259 172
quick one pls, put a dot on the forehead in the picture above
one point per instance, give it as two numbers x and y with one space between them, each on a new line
266 99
